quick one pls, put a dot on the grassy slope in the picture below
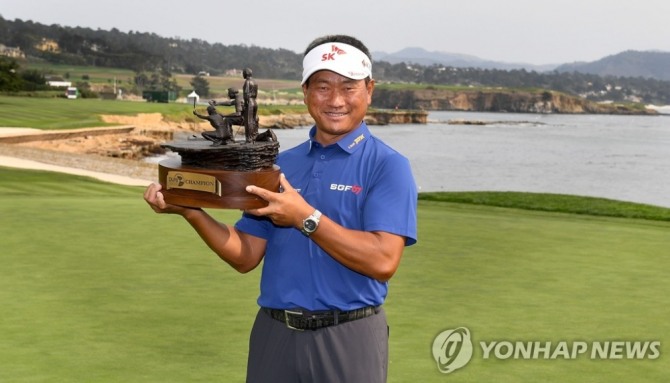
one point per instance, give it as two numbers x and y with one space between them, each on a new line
515 275
555 203
59 113
218 85
96 287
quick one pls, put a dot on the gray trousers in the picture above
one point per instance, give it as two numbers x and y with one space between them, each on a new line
350 352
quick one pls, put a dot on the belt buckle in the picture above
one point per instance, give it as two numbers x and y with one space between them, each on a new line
287 314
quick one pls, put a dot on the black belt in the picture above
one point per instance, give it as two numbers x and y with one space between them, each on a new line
313 320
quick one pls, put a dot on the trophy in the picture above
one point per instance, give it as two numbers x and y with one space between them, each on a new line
214 170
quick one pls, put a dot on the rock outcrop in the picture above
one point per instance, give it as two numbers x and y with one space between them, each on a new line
385 117
373 117
511 101
285 121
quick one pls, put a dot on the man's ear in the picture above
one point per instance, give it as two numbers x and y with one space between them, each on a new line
371 88
304 92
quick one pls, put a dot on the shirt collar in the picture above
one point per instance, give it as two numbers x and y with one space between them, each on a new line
350 142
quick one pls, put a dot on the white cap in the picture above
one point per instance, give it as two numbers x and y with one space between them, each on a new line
343 59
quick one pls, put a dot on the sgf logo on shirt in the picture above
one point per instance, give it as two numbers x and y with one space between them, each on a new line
346 188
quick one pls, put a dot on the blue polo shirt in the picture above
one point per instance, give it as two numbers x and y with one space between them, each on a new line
360 183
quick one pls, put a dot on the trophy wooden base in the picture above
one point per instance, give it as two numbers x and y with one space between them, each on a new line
213 188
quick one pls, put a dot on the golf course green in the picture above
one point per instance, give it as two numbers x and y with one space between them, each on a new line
95 287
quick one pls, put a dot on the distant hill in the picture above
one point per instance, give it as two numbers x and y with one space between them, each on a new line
646 64
639 77
421 56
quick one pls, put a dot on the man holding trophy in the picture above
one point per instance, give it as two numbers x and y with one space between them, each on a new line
331 238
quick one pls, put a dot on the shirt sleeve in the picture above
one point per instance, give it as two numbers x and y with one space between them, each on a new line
391 204
256 226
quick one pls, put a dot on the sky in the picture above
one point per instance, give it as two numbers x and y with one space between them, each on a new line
513 31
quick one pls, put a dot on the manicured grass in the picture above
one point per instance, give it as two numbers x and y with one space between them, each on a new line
517 275
96 287
60 113
554 202
96 74
124 77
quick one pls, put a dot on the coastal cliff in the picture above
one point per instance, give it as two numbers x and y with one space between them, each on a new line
373 117
392 106
511 101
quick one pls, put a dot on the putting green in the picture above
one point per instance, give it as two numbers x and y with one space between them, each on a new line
96 287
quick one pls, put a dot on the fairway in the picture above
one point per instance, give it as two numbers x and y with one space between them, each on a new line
60 113
95 287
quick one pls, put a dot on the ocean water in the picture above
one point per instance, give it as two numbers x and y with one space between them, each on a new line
619 157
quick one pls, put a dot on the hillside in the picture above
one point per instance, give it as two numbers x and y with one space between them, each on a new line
647 64
154 60
420 56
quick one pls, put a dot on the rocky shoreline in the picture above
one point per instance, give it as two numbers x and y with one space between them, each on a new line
122 149
373 117
138 137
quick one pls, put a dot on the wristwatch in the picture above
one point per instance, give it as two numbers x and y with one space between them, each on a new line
310 223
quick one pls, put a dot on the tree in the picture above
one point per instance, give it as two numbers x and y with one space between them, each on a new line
141 80
200 86
33 80
10 81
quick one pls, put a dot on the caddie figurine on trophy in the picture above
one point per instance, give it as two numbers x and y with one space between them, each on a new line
214 171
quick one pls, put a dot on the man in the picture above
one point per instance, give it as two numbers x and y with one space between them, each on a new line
330 240
223 124
250 90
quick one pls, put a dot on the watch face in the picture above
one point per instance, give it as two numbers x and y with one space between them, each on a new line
310 225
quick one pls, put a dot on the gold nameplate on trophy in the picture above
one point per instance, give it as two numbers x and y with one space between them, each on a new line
193 181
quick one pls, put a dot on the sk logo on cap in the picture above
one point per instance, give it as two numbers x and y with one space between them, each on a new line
331 56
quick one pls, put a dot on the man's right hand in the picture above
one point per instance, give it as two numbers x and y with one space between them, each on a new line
156 201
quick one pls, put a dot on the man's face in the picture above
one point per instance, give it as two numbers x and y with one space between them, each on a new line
338 104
